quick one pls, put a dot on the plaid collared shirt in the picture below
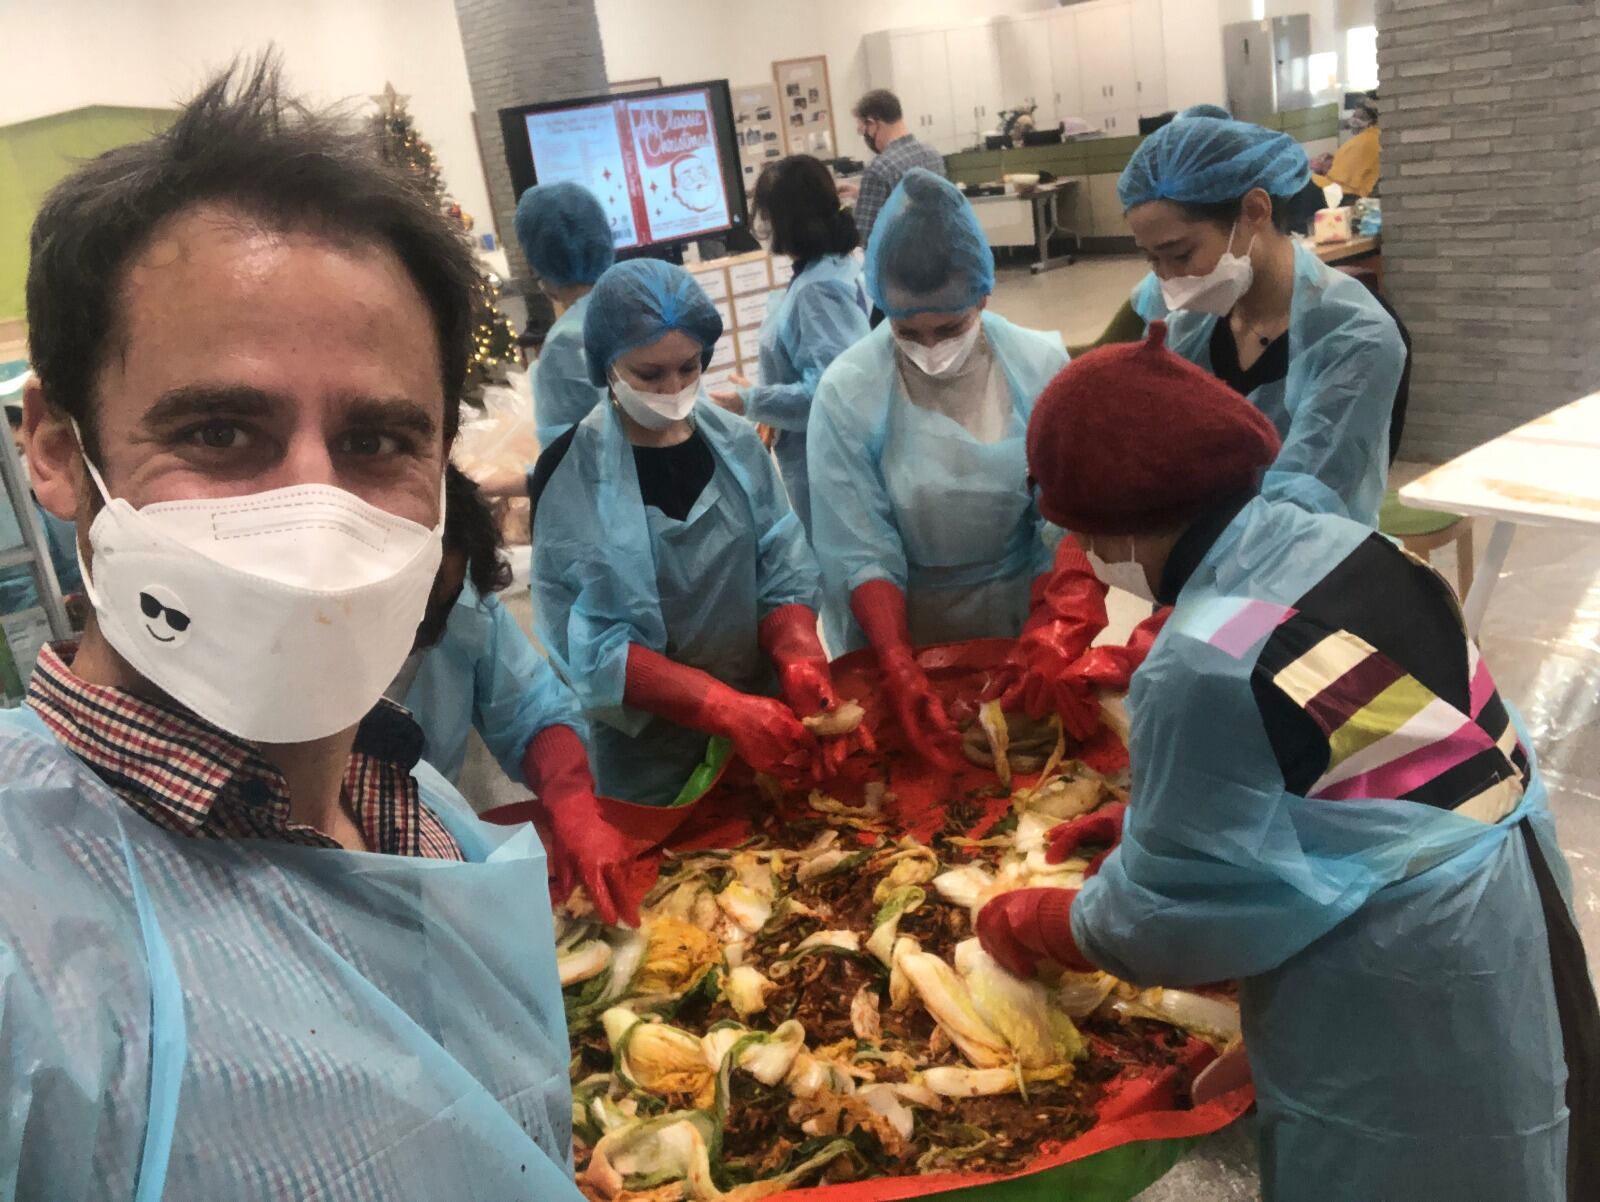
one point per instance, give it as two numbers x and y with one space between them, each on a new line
189 777
885 171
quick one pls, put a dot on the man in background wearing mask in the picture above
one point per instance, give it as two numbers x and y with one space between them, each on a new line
881 122
921 514
252 947
1331 804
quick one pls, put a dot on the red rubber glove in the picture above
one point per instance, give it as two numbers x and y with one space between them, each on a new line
1067 609
764 731
1028 925
587 848
1103 827
789 637
880 607
1112 668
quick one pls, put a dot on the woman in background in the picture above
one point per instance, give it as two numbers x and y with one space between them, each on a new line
1309 346
925 526
567 241
673 585
823 311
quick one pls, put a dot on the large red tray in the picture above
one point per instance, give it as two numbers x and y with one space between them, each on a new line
1141 1132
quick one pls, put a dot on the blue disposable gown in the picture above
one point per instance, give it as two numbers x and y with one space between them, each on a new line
609 572
195 1019
562 393
1147 299
1397 995
17 591
902 494
485 674
823 312
1333 409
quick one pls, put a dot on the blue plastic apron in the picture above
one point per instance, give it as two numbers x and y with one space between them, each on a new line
195 1020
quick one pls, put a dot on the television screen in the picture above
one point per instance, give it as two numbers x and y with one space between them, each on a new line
663 162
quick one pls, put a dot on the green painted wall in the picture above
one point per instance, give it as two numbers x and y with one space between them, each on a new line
34 155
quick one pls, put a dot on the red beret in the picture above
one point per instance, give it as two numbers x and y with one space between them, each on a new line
1132 438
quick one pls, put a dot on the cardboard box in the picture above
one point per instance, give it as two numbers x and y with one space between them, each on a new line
724 311
713 279
1332 225
750 311
724 354
747 275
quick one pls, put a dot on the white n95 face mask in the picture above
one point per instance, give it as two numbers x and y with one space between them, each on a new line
655 410
1219 291
1125 574
942 358
280 616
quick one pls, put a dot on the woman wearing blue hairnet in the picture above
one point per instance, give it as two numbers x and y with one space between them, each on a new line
1310 346
823 312
921 513
567 241
672 581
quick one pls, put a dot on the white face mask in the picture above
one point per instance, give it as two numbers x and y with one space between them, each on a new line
1125 574
942 358
280 616
655 410
1218 292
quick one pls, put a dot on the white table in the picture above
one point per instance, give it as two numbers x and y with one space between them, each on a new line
1028 219
1546 473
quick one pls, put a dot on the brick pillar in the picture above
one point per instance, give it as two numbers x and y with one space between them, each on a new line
520 52
1491 206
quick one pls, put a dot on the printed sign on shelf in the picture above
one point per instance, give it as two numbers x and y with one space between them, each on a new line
713 282
750 311
754 276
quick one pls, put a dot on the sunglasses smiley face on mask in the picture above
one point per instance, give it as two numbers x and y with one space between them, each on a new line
164 621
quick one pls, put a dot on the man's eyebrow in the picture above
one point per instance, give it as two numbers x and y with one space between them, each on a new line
212 400
197 401
1168 244
393 412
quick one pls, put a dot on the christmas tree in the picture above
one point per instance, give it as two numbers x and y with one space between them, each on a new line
494 341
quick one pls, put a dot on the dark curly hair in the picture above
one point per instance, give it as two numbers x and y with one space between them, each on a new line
243 143
470 530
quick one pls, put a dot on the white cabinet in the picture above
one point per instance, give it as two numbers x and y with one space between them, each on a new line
915 66
1063 43
1103 61
975 100
1106 69
1149 56
1027 73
